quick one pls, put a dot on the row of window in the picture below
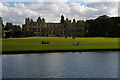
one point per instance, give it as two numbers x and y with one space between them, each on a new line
79 35
53 31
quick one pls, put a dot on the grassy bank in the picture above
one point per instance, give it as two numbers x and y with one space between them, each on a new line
58 43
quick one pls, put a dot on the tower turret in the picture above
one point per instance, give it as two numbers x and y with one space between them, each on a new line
39 19
74 21
31 20
27 20
43 20
62 19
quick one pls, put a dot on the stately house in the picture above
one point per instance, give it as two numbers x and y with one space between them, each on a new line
66 28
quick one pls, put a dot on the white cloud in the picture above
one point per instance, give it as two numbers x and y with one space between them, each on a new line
59 0
108 8
52 11
119 8
101 0
34 0
51 0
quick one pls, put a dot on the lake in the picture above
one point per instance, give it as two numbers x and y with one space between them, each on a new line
61 65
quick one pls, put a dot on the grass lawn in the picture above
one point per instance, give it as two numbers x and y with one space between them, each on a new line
58 43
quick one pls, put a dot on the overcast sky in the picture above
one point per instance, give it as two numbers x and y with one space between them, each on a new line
51 10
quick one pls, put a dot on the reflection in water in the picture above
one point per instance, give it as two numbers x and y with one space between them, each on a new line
61 65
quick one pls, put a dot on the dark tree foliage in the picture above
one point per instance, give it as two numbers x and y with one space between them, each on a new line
17 28
94 28
8 26
15 31
86 32
103 26
9 34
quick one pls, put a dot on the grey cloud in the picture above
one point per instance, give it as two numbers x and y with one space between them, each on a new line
52 11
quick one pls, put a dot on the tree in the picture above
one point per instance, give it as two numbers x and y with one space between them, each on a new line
86 31
106 27
9 34
13 30
94 28
102 17
17 28
9 26
115 31
103 26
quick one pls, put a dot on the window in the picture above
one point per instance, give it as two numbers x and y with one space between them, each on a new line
61 32
53 32
38 30
34 30
50 32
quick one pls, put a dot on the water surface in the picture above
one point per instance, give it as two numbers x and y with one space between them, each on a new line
61 65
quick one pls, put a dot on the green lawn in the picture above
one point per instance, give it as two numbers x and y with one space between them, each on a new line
58 43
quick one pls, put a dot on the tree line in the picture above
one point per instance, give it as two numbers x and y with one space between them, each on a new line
102 26
15 31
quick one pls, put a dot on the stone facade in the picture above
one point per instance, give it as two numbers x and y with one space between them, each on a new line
66 28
